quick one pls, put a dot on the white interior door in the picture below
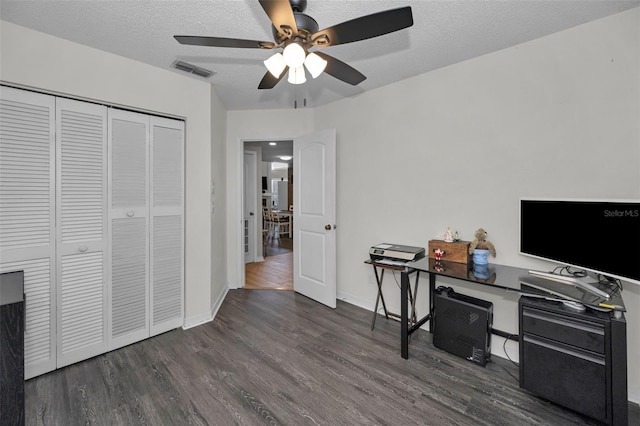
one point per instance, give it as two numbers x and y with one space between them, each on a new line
249 213
27 216
314 237
167 224
129 220
82 230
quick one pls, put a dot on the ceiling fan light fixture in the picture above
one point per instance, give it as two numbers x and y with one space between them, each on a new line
276 64
315 64
296 75
294 55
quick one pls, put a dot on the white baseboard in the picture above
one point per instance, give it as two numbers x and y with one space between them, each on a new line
206 317
357 301
216 306
197 320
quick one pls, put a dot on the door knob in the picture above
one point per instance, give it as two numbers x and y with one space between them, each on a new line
250 213
327 227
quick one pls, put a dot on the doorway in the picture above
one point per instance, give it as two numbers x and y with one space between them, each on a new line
272 267
276 271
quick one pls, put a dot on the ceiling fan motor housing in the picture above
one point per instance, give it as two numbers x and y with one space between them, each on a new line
306 27
298 5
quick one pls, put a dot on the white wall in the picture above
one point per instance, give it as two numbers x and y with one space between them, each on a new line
36 60
458 147
555 117
218 209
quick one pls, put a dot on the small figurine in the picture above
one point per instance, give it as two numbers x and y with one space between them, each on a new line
438 254
456 237
447 236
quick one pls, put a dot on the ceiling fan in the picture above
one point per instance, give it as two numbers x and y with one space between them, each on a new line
297 34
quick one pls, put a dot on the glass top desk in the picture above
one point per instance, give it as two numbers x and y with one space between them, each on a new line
508 278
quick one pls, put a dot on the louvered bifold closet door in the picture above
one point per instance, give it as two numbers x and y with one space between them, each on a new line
27 214
81 229
129 212
167 224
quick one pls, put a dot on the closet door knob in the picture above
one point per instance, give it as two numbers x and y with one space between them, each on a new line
130 213
83 248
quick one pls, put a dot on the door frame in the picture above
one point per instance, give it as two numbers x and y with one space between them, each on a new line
240 265
253 220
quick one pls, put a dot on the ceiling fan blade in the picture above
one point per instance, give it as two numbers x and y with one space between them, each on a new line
365 27
269 81
224 42
281 14
338 69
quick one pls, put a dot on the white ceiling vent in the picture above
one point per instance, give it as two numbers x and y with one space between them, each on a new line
192 69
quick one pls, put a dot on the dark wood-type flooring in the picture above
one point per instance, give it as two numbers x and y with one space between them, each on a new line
279 358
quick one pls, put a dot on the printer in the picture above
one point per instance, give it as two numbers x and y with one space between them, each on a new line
396 252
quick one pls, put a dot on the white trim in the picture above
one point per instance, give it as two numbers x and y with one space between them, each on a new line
253 222
108 104
207 317
239 203
355 300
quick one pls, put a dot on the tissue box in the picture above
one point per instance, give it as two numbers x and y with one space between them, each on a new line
457 251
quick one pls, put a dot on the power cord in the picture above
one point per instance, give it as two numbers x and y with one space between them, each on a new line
610 281
613 283
504 349
567 270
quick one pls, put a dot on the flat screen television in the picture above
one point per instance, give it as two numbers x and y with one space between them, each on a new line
600 236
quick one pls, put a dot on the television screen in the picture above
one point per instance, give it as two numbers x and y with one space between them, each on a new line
598 236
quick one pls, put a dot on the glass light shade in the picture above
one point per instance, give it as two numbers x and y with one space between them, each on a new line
315 64
275 64
294 55
296 75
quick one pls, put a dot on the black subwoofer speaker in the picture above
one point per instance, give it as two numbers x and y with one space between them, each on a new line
462 325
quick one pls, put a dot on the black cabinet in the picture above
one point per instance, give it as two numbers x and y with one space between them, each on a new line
12 348
577 359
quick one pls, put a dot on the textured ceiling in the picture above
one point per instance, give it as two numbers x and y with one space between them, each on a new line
444 32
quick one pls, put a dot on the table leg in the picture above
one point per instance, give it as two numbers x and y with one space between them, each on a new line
404 314
414 314
379 279
432 291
